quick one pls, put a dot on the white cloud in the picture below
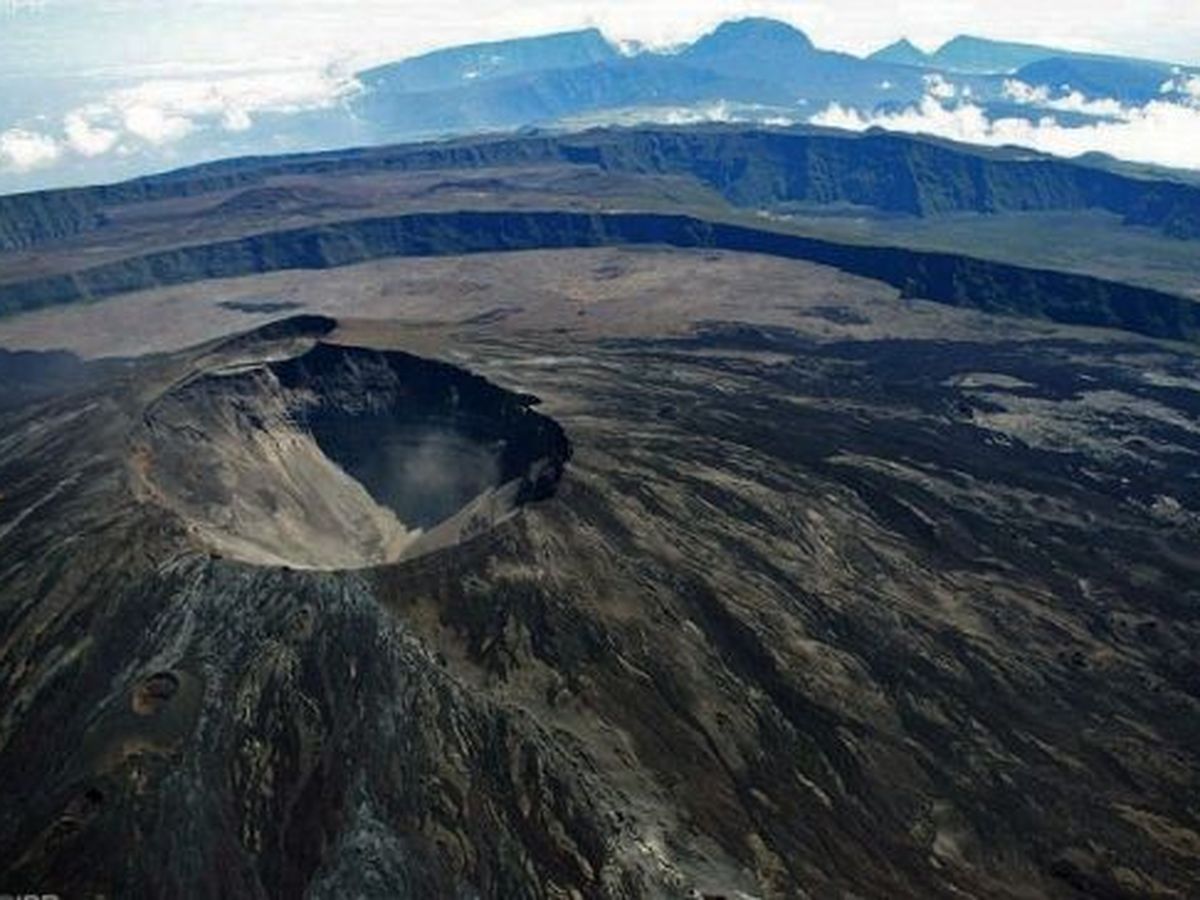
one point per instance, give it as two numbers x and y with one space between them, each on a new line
963 122
236 119
716 111
1074 101
937 86
1020 92
1186 84
24 151
1069 101
87 139
161 112
238 96
150 116
1160 132
164 111
155 125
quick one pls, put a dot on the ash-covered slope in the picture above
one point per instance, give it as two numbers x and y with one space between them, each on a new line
881 618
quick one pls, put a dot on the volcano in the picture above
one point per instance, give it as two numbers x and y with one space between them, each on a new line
522 520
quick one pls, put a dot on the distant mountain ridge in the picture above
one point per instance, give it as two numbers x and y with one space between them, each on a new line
968 54
750 167
902 53
1119 79
980 55
494 59
769 68
537 81
753 45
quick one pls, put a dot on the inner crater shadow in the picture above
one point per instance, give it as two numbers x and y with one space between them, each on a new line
425 472
437 445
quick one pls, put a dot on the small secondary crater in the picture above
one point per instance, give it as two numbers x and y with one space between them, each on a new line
154 693
345 457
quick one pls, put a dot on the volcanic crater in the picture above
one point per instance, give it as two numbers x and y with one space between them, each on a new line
343 457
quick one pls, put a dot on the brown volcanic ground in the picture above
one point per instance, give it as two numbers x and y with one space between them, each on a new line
587 295
838 596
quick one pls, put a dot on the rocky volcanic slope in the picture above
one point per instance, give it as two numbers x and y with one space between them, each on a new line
869 618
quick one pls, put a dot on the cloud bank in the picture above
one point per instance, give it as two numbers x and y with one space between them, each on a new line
158 113
24 151
1164 131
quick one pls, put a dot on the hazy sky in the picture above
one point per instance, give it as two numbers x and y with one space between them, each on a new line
69 36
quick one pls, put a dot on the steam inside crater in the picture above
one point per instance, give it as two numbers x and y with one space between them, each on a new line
344 457
423 472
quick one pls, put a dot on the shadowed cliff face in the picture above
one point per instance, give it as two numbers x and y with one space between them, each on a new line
339 458
749 166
